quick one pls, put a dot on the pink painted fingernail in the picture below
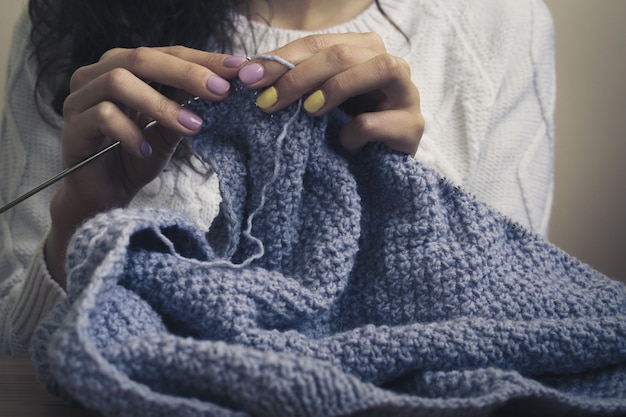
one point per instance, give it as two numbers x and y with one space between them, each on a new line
218 85
252 73
235 61
189 119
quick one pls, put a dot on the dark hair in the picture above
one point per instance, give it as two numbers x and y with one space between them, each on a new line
68 34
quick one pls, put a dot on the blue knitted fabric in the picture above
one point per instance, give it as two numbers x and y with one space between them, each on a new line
329 285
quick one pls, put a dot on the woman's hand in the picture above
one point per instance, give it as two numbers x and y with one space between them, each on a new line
112 100
352 71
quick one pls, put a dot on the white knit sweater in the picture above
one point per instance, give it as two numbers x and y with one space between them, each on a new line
485 71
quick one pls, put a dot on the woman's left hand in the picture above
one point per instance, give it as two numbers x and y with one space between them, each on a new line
352 71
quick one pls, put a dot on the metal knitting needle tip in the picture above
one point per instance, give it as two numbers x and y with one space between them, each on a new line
73 168
55 178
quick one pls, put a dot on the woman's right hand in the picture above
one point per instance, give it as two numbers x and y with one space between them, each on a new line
110 101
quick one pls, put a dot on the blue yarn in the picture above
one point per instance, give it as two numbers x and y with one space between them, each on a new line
380 289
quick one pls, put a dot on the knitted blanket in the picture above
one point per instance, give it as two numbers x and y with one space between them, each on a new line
329 285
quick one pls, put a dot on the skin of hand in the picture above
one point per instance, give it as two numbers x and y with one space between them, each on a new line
352 71
110 100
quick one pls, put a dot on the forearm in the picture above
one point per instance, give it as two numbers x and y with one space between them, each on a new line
54 255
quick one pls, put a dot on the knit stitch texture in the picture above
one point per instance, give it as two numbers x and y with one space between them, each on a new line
329 285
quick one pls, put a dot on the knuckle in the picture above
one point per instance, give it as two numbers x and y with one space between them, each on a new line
290 81
78 78
409 141
111 53
117 79
405 65
315 43
341 54
360 129
420 125
340 85
137 58
192 71
389 63
162 107
374 41
363 123
176 50
68 105
391 66
104 112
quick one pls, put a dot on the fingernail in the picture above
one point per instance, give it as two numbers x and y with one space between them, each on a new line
252 73
315 102
267 98
145 148
235 61
189 119
218 85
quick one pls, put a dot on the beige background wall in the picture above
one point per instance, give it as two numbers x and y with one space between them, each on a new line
589 212
589 215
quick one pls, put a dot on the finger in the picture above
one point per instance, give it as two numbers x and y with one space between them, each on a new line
397 129
87 132
155 65
386 75
122 87
302 49
263 72
91 131
226 66
311 74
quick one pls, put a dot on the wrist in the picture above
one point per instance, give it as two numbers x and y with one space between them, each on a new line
55 249
65 220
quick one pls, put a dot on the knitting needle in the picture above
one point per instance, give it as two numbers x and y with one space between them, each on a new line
56 178
73 168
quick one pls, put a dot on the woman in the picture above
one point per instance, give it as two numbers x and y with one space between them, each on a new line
484 73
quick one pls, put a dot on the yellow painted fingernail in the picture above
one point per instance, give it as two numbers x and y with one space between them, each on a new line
267 98
315 102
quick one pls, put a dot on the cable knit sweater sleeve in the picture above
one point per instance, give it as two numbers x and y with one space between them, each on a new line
23 164
25 303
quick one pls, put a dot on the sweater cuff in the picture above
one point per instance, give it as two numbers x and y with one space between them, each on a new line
40 293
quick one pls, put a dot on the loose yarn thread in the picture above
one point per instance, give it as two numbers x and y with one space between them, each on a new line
274 58
247 232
